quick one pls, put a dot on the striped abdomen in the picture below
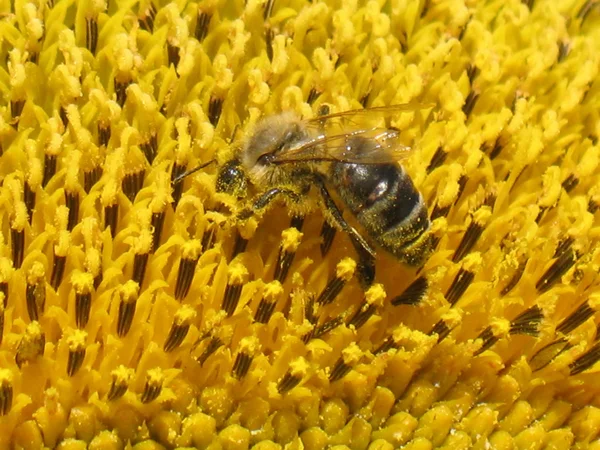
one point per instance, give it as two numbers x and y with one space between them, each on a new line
386 203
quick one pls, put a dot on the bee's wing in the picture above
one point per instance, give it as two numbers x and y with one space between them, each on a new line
370 146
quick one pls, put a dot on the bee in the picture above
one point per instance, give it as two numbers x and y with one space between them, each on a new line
286 156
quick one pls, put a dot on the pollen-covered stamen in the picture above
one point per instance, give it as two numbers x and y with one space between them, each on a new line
150 148
91 34
462 183
6 391
213 345
491 334
29 199
527 322
374 298
439 211
179 330
17 236
463 278
111 214
91 177
563 246
387 345
121 91
129 295
496 149
271 294
470 103
132 184
77 346
146 19
297 371
446 324
121 377
593 206
249 346
16 108
6 272
555 272
140 261
190 253
269 36
202 24
209 236
327 236
343 273
585 361
313 95
215 106
413 294
32 344
158 220
437 159
173 54
515 278
479 221
570 183
49 168
586 310
548 353
239 245
290 241
154 384
237 274
350 357
83 284
104 133
72 202
35 292
323 329
2 308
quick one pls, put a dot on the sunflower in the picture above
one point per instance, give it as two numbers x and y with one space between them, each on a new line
137 310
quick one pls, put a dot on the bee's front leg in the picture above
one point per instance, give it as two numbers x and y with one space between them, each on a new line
265 199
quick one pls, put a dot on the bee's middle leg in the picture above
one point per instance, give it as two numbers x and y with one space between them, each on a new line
366 255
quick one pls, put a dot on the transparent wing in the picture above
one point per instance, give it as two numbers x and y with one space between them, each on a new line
377 112
370 146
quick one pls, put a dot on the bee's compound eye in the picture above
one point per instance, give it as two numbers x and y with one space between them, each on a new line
232 179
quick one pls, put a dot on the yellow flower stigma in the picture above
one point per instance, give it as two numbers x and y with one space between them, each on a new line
154 294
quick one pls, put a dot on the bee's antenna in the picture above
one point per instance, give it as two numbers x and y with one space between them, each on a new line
178 178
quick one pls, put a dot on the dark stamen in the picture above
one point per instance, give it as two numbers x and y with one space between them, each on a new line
459 285
413 294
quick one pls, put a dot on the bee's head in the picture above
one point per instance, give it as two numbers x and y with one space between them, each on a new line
232 179
271 136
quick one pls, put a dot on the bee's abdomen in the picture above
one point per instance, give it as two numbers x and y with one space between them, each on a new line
385 201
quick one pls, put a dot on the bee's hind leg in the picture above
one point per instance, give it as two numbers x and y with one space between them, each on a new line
265 199
366 255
